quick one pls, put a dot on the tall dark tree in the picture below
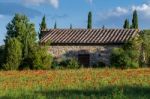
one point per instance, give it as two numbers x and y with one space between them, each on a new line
135 20
55 25
70 26
89 25
43 26
126 24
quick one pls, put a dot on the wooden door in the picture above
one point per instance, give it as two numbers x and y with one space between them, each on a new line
84 59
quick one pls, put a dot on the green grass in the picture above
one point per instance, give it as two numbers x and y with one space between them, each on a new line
76 84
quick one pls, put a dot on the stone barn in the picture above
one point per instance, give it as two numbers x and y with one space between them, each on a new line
89 46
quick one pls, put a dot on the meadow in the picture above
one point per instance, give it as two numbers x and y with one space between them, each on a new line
76 84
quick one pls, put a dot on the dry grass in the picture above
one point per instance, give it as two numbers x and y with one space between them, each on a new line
82 83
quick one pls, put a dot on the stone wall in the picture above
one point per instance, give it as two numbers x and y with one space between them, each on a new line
97 53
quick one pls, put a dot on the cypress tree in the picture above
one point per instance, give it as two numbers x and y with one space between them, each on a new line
70 26
55 25
135 20
126 24
89 26
43 26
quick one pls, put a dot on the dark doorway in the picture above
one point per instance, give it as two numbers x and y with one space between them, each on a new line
84 59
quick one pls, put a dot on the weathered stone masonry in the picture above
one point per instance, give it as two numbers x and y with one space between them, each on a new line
97 53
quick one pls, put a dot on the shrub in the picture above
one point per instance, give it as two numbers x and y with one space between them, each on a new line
99 64
13 54
71 63
41 58
38 58
121 58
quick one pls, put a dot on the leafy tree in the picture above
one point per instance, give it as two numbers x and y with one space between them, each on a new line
135 20
145 48
126 24
13 54
55 25
43 26
23 30
89 26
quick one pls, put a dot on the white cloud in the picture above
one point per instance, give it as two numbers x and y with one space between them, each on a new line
143 9
54 3
118 11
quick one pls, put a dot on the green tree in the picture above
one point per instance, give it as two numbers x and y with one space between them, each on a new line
126 24
13 54
40 57
43 27
55 25
135 20
21 28
145 48
89 25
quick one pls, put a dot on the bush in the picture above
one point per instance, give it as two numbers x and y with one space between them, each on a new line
13 54
99 64
41 58
71 63
121 58
38 58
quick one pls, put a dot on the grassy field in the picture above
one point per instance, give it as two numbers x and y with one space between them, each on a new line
76 84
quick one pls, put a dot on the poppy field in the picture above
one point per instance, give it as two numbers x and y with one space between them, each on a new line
76 84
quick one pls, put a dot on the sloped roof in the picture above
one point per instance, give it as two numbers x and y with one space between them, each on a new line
88 36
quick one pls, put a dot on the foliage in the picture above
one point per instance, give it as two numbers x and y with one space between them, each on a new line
126 24
121 58
41 58
71 63
89 26
33 56
135 20
127 56
145 48
76 84
13 54
43 26
38 58
2 49
99 64
24 31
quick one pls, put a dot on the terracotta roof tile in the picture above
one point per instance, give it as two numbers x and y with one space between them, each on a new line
88 36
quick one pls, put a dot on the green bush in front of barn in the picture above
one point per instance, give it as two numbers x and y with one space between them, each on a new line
127 56
70 63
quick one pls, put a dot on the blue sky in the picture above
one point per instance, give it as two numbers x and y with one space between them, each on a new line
110 13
